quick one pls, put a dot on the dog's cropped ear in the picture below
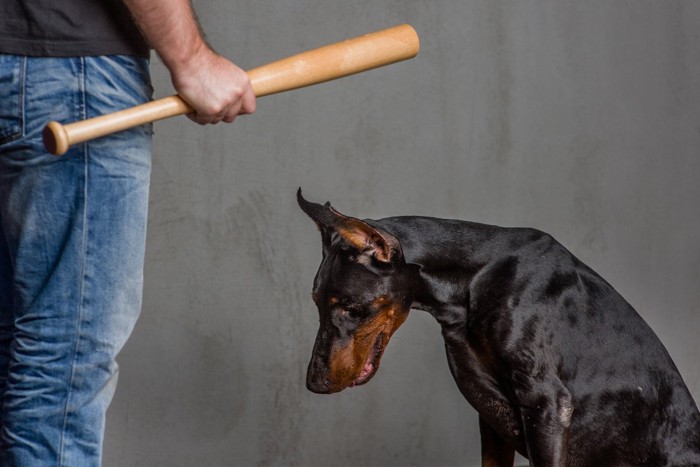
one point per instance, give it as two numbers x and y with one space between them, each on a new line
356 233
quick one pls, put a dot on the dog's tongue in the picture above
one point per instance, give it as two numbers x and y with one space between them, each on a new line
364 374
369 368
366 371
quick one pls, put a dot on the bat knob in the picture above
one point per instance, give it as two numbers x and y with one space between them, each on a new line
55 138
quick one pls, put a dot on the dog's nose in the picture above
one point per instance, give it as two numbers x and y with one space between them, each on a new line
319 385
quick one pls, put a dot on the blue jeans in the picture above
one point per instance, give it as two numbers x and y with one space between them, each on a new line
71 253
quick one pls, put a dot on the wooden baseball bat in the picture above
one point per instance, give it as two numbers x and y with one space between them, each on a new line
312 67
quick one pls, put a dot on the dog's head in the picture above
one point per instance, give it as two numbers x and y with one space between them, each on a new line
361 296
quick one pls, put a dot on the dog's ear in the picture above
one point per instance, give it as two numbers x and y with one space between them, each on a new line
319 215
358 234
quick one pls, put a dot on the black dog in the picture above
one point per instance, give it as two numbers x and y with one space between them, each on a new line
558 365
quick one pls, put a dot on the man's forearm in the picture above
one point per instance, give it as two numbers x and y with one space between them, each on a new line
171 28
216 88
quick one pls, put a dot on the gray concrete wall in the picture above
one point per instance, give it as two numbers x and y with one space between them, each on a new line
578 118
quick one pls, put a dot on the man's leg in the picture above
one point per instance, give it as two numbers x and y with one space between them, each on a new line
75 231
11 127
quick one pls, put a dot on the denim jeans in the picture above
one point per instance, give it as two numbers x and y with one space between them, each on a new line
71 253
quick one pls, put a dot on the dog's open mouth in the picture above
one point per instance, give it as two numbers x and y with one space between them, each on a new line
372 362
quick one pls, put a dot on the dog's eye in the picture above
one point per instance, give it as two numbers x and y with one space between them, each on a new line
356 311
343 312
342 318
339 306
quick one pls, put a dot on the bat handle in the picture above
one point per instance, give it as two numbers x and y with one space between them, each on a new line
58 138
55 138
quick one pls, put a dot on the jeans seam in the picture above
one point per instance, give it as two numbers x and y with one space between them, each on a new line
21 83
23 102
80 302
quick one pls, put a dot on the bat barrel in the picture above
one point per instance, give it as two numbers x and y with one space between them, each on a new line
336 60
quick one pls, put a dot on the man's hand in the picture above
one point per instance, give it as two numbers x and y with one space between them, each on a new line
216 88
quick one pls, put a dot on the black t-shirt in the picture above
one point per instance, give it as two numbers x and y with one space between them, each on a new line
68 28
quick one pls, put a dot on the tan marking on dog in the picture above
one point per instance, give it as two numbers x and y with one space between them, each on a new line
363 237
347 363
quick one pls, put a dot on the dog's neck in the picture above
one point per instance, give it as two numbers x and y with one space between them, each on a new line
444 256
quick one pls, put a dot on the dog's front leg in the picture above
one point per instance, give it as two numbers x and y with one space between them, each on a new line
546 409
495 451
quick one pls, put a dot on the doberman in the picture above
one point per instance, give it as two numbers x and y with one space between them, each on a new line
558 365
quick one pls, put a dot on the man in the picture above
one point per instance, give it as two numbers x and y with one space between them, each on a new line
73 228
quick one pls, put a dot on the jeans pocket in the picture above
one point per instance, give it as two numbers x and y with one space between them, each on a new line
11 97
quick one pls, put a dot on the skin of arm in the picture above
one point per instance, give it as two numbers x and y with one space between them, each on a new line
215 87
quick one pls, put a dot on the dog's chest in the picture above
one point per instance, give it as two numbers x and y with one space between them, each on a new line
477 381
